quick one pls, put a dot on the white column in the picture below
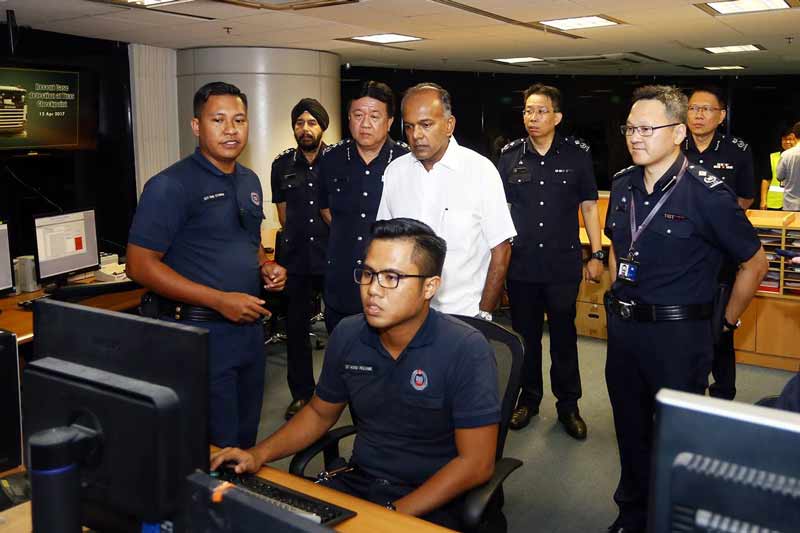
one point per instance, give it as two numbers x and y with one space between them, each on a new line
274 80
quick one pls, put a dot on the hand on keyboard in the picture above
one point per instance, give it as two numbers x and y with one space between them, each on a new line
236 460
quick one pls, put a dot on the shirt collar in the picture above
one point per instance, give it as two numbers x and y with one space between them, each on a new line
638 179
425 335
690 146
450 158
555 146
201 160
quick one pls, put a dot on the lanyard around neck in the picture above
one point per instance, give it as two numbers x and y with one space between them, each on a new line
636 232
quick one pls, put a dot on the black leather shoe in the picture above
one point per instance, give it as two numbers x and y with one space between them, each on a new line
573 424
521 416
294 408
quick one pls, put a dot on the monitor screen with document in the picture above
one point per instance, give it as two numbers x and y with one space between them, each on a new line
66 244
6 278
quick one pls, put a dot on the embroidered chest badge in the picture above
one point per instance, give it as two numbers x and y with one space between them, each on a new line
255 198
419 379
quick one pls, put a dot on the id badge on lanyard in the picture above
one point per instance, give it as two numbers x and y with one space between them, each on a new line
627 268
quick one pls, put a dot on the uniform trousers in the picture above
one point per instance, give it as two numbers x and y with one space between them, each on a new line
237 369
529 303
723 367
299 362
642 358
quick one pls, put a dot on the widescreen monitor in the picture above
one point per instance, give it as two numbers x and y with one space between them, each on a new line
726 466
6 276
66 244
143 385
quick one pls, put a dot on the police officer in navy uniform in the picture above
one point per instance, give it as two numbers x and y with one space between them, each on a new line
731 160
351 184
195 242
670 223
547 177
304 241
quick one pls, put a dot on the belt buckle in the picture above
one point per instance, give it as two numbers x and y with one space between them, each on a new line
626 309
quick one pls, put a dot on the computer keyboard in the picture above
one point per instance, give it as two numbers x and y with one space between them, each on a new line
81 291
298 503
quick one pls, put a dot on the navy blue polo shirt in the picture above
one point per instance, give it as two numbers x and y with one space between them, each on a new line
545 192
205 222
680 251
304 241
352 190
409 408
731 160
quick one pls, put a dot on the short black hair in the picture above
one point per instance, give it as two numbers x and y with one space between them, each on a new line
545 90
429 249
796 129
711 89
379 91
215 88
674 100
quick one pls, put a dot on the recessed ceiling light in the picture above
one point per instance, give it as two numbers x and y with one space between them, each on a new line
727 67
386 38
731 49
515 60
579 23
746 6
153 3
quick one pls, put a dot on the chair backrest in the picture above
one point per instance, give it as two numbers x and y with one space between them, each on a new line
509 352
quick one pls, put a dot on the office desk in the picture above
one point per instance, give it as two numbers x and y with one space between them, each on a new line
370 517
19 321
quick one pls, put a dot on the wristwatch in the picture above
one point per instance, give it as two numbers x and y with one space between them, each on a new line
485 315
390 506
600 255
731 327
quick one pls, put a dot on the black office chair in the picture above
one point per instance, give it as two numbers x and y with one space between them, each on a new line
482 509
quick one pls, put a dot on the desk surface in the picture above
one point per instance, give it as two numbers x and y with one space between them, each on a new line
19 321
370 517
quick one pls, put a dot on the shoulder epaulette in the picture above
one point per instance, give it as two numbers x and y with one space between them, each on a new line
285 152
623 172
512 144
704 176
739 143
335 145
578 142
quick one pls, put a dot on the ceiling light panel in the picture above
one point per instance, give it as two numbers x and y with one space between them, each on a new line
732 49
515 60
386 38
726 67
746 6
579 23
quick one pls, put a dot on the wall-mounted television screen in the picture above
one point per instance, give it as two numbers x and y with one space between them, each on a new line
39 109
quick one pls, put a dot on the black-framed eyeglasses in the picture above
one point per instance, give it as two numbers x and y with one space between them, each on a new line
703 109
388 279
644 131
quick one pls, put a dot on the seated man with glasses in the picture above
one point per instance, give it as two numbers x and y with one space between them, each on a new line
423 385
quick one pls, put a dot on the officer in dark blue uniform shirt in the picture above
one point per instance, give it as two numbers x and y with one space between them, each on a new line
670 223
424 386
546 178
304 241
351 176
195 242
730 160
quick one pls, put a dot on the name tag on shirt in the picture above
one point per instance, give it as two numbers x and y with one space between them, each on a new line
213 196
359 368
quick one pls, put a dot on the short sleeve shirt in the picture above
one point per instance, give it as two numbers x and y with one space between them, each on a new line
462 200
304 242
205 222
351 189
544 192
788 173
729 159
408 409
681 249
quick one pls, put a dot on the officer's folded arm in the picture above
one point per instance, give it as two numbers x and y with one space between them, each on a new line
473 466
302 430
326 215
749 277
146 267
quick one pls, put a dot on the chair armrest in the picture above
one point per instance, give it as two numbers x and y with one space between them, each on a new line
328 444
476 500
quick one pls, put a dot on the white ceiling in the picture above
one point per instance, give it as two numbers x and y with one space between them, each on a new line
670 30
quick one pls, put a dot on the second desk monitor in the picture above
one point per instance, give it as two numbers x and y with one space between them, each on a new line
6 277
66 244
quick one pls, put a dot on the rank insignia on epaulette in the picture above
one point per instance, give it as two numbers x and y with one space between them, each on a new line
513 143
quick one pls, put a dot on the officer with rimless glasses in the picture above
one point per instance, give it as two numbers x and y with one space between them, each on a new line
670 223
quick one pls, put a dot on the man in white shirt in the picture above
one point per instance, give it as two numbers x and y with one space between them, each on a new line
458 193
788 173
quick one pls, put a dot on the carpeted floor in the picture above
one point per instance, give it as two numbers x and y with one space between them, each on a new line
565 486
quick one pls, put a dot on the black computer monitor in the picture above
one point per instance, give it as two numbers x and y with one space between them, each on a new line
720 465
66 245
6 276
142 384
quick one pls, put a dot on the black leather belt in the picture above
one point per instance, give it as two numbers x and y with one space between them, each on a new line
655 313
194 313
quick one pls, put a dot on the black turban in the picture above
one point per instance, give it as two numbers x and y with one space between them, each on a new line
314 108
